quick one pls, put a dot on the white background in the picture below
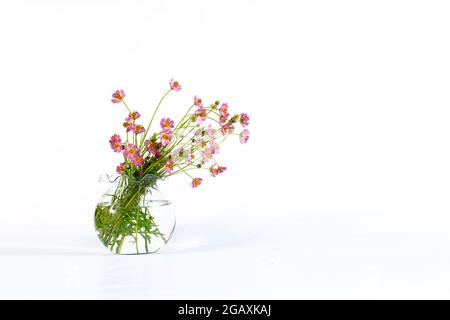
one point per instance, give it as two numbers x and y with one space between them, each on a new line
341 192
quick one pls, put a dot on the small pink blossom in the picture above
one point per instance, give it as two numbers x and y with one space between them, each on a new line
198 139
211 132
127 126
153 147
137 160
196 182
227 128
200 115
223 113
224 108
210 151
215 170
118 96
166 123
198 102
222 119
244 118
116 143
207 154
190 156
166 137
168 166
120 168
131 151
244 135
131 127
214 147
178 153
174 85
138 129
134 115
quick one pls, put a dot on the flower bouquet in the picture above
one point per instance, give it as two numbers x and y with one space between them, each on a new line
134 216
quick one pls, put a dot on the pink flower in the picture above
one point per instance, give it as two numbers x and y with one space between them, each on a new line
244 135
128 125
196 182
190 156
198 102
210 132
211 150
200 115
174 85
166 137
118 96
166 123
227 128
152 147
168 166
178 153
138 129
131 151
224 108
134 115
116 143
223 113
207 154
137 160
214 147
244 119
216 170
120 168
222 119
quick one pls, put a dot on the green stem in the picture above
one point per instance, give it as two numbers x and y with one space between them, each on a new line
136 230
153 116
126 106
187 112
119 247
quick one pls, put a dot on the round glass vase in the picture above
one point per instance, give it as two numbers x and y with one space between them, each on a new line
134 216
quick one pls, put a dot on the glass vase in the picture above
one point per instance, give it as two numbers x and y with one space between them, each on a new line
134 216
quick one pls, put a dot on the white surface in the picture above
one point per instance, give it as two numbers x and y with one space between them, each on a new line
319 256
342 191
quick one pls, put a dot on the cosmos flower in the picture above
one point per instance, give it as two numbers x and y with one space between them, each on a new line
166 123
214 147
244 135
138 129
211 132
226 128
215 170
116 143
152 147
243 119
168 166
137 160
134 115
131 150
174 85
196 182
198 102
166 137
223 113
120 168
200 115
118 96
